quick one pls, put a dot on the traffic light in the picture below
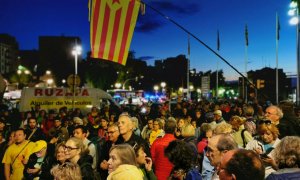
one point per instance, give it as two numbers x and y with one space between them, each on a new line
260 83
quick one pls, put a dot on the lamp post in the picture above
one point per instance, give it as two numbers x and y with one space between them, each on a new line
294 12
76 51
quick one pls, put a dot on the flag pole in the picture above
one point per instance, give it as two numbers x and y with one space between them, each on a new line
246 62
277 39
188 70
217 73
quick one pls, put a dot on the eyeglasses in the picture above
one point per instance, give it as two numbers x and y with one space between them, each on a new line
270 113
111 132
68 148
267 122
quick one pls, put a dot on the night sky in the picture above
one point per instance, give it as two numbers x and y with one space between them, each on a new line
157 38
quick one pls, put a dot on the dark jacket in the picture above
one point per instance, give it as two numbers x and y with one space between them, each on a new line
45 167
85 162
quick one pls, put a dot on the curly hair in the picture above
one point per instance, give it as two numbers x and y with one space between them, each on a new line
222 128
180 154
287 153
66 171
246 165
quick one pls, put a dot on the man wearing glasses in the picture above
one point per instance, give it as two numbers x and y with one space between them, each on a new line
113 134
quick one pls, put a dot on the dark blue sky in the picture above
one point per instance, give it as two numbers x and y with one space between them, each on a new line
156 38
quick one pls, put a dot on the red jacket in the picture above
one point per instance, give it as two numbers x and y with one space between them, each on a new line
161 163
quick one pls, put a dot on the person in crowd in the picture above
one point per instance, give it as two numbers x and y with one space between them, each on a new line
184 129
81 132
66 171
250 123
77 153
122 163
39 163
157 131
77 121
136 129
161 163
24 121
17 155
77 113
144 163
218 117
48 123
217 146
94 129
103 153
265 144
126 128
241 164
112 118
3 128
60 153
222 128
274 113
240 134
93 115
182 156
147 129
199 118
33 132
206 133
36 110
41 117
58 131
287 158
102 133
289 124
3 146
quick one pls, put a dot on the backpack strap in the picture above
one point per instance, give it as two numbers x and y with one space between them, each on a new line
243 137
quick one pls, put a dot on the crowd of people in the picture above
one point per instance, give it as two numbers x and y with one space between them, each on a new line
191 141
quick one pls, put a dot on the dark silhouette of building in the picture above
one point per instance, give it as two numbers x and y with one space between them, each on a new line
55 54
265 81
8 54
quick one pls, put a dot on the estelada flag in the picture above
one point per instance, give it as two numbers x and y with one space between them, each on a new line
112 23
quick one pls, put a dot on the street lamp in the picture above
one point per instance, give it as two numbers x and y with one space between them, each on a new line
76 51
118 85
294 12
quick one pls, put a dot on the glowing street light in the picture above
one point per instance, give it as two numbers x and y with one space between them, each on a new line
76 51
118 85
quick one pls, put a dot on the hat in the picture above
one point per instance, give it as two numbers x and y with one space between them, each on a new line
39 145
218 112
77 120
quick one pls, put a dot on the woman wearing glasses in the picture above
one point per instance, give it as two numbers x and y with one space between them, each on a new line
265 143
77 153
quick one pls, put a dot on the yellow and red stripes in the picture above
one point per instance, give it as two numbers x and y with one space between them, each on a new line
112 25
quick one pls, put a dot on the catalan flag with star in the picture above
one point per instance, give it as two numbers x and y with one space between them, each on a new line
112 24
